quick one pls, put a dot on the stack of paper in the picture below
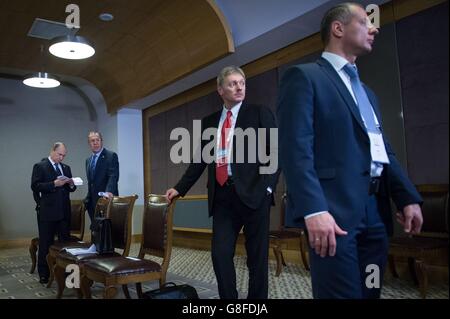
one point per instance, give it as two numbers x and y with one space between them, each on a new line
82 251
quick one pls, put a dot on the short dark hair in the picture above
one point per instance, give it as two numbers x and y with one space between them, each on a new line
342 13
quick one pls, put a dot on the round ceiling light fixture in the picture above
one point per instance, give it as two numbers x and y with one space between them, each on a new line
41 80
72 47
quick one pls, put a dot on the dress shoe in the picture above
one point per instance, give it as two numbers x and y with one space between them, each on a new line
43 280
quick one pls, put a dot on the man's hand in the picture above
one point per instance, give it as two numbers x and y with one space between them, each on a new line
411 218
322 231
109 195
61 181
171 194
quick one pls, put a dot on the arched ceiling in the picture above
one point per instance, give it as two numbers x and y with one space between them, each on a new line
154 49
149 44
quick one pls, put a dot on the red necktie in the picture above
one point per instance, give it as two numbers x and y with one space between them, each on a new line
222 162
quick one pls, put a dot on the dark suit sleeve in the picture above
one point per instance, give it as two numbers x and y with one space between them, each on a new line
113 175
37 180
268 122
193 172
295 115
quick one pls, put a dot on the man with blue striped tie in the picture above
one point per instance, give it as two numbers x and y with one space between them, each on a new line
340 170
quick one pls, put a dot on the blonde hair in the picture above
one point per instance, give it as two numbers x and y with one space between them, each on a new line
226 71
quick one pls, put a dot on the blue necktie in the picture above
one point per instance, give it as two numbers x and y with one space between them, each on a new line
92 165
58 171
364 105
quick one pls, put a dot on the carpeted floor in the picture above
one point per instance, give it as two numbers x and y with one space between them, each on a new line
195 268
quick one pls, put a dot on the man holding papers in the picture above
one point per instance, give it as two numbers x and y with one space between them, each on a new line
52 182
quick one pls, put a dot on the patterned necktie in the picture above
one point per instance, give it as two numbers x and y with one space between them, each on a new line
58 171
92 166
222 163
364 105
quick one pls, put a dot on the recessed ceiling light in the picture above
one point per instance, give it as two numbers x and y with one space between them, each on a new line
106 17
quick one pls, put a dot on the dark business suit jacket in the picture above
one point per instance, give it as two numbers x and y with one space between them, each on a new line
325 150
105 178
250 185
53 202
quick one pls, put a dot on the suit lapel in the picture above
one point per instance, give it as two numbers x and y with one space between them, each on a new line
242 115
51 169
343 91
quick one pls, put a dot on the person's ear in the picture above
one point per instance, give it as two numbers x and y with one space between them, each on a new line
337 29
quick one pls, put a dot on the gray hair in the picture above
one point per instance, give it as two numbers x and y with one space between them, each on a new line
226 71
95 133
56 145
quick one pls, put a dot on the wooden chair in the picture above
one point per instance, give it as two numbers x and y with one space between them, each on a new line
156 241
102 206
120 212
431 244
77 210
278 240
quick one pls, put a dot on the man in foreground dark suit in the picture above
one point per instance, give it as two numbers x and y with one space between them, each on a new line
239 195
340 170
102 171
51 183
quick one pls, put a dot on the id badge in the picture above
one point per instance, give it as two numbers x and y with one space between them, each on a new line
221 157
377 148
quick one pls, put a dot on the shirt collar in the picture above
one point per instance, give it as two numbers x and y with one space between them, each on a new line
50 159
234 110
98 153
335 60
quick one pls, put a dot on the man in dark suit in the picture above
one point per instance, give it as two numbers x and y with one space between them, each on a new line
239 192
340 170
51 183
102 171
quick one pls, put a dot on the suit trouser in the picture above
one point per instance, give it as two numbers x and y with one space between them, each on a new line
47 232
356 271
230 215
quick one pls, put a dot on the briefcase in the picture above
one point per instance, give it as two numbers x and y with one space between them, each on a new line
102 235
172 291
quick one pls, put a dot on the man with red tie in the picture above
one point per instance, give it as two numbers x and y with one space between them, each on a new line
240 192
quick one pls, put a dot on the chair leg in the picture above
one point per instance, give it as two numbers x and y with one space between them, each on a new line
33 250
59 274
392 267
109 292
303 251
422 277
51 262
126 292
412 270
139 290
85 285
278 256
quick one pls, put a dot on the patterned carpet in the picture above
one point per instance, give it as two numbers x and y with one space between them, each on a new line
195 268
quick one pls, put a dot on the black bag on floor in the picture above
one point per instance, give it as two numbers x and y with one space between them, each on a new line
102 235
171 291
